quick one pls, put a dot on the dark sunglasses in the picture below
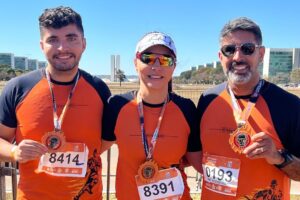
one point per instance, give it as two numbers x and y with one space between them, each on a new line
246 49
150 58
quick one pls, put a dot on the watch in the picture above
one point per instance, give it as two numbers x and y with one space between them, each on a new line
288 158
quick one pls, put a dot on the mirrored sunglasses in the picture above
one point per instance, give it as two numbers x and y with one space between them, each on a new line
246 49
150 59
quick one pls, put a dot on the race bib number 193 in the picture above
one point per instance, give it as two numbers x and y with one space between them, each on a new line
221 174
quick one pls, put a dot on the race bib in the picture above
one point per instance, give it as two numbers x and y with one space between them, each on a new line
221 174
168 185
71 161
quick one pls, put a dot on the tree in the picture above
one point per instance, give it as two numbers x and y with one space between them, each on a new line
6 72
120 76
186 75
295 75
205 75
280 78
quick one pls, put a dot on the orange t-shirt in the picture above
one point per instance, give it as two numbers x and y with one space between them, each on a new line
257 179
33 118
172 142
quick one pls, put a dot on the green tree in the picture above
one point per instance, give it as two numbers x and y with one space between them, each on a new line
6 72
4 67
185 76
120 76
295 76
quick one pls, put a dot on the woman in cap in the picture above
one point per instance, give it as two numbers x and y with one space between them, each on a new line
153 127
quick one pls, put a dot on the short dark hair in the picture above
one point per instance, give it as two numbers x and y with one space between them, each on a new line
59 17
242 24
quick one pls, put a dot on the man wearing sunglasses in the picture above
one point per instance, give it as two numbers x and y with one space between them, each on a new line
249 127
152 127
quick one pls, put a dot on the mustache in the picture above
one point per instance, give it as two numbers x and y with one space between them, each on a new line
233 64
67 53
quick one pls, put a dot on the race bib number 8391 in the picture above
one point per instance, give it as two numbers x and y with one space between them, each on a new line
168 185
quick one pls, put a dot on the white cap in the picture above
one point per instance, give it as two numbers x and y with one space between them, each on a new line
155 38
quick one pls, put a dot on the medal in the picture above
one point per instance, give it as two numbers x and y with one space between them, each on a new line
240 138
148 171
54 140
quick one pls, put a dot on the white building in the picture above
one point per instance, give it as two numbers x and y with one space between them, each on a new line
114 67
280 60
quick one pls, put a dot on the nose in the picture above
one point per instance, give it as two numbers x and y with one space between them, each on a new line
156 64
238 54
63 46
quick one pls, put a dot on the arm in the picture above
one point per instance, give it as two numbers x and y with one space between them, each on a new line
25 151
293 169
263 146
195 160
7 135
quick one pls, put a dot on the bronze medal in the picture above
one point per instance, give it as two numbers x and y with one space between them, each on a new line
148 171
240 139
54 140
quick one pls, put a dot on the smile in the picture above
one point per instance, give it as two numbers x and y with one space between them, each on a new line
155 77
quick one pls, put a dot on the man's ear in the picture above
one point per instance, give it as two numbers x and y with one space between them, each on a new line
41 44
84 43
135 64
262 51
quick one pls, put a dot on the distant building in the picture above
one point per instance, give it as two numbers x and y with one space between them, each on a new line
296 60
280 61
7 59
32 64
193 68
21 63
42 64
114 67
200 67
216 64
208 65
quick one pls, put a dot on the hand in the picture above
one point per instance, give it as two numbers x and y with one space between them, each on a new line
29 150
263 146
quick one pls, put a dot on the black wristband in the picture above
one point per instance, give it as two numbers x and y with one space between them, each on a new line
288 158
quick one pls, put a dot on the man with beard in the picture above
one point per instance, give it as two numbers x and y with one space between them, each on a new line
54 115
249 127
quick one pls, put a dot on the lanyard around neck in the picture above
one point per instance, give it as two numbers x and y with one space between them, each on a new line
149 151
242 116
59 120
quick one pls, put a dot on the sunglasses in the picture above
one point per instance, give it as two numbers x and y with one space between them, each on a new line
246 48
150 59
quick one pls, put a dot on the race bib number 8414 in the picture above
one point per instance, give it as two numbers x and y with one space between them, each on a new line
71 161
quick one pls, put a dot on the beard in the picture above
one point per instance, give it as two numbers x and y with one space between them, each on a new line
237 78
64 66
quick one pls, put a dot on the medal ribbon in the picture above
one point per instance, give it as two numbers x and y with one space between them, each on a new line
149 151
59 120
242 116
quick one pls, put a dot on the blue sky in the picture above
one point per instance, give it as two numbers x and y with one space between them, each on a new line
115 26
